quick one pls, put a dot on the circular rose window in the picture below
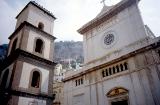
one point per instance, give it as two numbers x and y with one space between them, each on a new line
108 39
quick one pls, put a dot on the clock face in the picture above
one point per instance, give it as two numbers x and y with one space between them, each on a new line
108 39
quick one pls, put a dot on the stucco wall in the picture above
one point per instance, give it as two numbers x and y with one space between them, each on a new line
31 43
35 16
25 77
141 80
127 26
27 101
23 17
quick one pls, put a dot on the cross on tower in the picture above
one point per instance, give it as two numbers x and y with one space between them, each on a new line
103 1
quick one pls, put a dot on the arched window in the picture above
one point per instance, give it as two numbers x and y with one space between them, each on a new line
114 70
125 66
121 66
35 79
41 26
4 79
117 67
76 82
103 73
14 45
81 80
110 71
106 72
39 46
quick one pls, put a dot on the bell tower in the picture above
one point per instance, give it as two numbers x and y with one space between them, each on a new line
27 73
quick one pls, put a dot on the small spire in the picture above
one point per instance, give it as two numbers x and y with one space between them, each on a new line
103 1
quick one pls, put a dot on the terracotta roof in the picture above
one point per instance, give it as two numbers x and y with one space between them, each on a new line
39 7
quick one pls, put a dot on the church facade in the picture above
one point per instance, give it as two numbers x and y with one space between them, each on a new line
27 73
121 60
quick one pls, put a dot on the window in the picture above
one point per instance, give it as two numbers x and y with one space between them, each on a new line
79 81
103 73
110 71
41 26
125 66
14 45
121 66
35 79
39 46
4 79
106 72
114 70
117 67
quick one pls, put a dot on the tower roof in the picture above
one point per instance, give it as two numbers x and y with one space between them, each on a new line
39 7
106 13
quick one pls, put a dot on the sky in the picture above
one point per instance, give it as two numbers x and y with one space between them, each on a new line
71 15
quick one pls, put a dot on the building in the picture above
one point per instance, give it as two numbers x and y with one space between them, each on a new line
27 73
121 60
58 73
58 90
58 84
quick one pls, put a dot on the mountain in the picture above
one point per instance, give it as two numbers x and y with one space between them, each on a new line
68 52
3 52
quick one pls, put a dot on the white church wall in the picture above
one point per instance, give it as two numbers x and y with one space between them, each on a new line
25 77
31 42
155 79
141 79
128 19
29 101
136 83
144 79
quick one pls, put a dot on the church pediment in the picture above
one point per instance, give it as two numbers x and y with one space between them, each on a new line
116 92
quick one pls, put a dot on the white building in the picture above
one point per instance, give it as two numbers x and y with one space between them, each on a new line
121 61
27 73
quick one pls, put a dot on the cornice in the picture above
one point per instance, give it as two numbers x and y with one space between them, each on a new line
27 24
131 54
19 54
39 7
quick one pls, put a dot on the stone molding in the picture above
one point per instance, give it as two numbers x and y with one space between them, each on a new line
30 26
27 57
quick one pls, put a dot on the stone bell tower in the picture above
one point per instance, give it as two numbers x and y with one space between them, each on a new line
26 77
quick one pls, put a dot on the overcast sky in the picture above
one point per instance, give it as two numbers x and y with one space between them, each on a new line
71 15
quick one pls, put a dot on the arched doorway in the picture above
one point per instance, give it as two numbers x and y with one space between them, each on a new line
118 96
